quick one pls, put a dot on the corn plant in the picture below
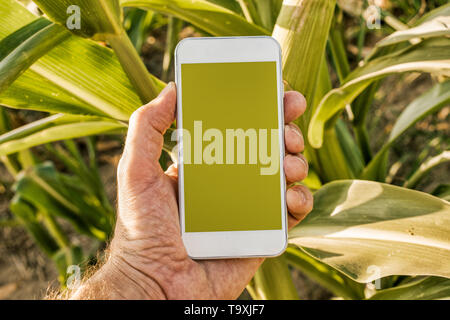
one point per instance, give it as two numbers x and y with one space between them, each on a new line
362 229
43 195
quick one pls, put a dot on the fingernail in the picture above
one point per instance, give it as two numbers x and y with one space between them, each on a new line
302 195
303 161
295 130
167 88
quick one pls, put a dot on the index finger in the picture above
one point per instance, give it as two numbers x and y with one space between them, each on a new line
294 105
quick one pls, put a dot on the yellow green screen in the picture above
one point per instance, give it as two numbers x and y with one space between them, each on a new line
230 195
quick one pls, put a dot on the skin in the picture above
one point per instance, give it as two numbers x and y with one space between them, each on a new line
147 258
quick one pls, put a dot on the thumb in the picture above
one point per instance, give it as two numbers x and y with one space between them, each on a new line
147 126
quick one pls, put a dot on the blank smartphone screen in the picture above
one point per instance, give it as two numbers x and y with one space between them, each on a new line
231 147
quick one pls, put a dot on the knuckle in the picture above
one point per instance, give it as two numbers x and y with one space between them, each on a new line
122 167
137 116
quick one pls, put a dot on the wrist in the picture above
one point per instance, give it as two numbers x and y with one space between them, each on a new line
116 280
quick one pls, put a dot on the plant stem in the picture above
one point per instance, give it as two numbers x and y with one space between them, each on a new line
245 10
55 230
337 48
362 137
332 160
361 38
325 275
9 223
273 281
173 28
133 66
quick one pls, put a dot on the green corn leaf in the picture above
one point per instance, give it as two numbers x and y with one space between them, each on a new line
47 97
9 222
368 230
349 148
98 80
312 181
76 165
43 187
91 183
88 207
442 191
303 41
137 24
102 20
328 277
66 257
273 281
267 10
343 165
96 18
231 5
46 198
302 30
439 26
433 24
22 48
54 128
432 55
429 102
250 11
443 10
27 215
360 108
428 288
212 18
336 44
425 167
174 27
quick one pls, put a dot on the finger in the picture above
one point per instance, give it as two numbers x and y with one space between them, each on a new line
299 201
293 138
149 122
145 134
295 167
172 171
294 105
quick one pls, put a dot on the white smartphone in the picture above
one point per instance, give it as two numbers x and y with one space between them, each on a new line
230 133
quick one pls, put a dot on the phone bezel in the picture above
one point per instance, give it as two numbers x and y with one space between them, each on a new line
231 244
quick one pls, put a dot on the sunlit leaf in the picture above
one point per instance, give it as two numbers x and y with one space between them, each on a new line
443 10
22 48
328 277
97 80
369 230
54 128
27 215
440 26
428 288
205 15
273 281
432 55
425 167
96 18
43 187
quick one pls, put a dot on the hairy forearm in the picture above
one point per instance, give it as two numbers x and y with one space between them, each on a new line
114 282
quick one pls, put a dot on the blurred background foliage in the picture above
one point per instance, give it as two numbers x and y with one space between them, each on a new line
378 95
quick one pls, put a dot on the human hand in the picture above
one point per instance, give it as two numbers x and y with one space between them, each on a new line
147 257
